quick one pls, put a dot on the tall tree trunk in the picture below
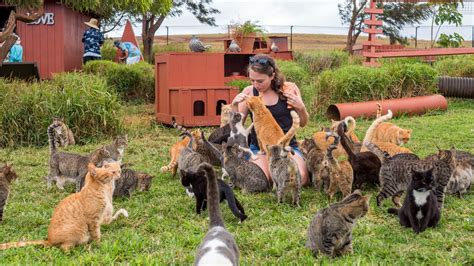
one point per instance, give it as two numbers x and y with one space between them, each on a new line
149 28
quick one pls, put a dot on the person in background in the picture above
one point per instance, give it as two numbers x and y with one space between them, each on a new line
130 53
92 40
16 52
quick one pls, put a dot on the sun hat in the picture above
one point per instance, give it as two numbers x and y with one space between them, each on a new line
93 23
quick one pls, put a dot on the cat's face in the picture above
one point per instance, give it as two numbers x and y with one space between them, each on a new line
423 181
8 172
356 205
306 145
144 182
226 109
106 173
404 135
121 141
236 117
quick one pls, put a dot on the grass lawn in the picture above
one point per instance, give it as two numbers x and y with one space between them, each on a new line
164 229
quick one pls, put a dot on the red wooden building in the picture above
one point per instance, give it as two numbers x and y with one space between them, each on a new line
54 40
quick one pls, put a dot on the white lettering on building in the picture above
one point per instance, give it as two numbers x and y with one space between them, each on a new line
46 19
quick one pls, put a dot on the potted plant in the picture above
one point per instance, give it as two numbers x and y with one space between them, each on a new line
245 33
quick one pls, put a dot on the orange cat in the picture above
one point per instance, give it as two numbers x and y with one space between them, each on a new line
350 132
388 132
323 142
175 151
267 129
225 114
77 218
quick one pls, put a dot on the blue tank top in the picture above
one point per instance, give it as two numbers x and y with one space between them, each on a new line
282 115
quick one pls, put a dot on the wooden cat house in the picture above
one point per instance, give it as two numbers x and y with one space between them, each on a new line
190 87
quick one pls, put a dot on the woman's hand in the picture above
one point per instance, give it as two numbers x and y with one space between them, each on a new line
295 101
240 98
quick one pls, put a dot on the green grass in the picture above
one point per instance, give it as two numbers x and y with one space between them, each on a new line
163 228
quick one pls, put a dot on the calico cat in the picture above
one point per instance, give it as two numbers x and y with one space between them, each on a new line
63 136
78 217
314 159
365 165
225 114
117 147
284 172
238 134
175 151
72 167
218 246
420 207
395 176
462 178
198 181
7 176
131 180
339 173
330 231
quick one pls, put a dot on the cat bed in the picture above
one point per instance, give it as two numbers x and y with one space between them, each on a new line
15 70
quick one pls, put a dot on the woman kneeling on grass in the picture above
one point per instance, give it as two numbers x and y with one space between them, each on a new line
268 82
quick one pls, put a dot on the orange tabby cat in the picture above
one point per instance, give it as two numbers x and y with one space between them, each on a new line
267 129
77 218
323 142
388 132
225 114
175 151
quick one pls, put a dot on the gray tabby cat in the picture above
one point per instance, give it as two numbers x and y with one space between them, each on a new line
7 175
462 178
243 174
284 172
314 158
218 246
189 160
396 175
131 180
71 167
63 136
330 231
117 147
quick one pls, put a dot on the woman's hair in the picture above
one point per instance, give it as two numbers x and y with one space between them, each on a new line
265 64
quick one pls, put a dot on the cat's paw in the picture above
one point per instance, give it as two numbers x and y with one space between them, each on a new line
124 212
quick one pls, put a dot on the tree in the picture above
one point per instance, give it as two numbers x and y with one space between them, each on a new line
395 17
446 13
152 20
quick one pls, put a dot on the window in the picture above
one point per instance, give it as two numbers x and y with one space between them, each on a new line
199 108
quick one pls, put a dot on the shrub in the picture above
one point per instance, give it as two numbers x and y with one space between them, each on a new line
131 82
84 101
456 66
317 62
357 83
293 71
108 51
240 83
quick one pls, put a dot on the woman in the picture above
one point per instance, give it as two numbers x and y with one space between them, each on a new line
268 82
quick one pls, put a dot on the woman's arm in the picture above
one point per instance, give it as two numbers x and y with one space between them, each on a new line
294 99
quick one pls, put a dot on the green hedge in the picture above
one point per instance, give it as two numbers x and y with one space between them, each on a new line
131 82
108 51
239 83
459 66
293 71
84 101
357 83
316 62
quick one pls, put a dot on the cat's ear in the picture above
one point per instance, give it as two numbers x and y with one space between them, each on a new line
92 169
367 197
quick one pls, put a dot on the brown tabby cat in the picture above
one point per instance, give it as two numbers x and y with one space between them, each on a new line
330 231
7 175
64 136
267 129
314 158
339 173
225 114
117 147
78 217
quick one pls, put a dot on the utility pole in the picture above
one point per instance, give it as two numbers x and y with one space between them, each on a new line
416 36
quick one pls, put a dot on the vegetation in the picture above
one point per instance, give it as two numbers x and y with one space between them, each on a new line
456 66
164 229
131 82
239 83
85 102
317 61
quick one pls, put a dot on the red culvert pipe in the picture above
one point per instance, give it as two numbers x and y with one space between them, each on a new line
456 87
412 105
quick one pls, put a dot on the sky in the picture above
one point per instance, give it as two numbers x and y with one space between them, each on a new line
307 16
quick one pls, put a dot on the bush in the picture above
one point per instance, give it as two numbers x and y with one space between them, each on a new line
131 82
456 67
357 83
317 62
293 71
84 101
108 51
240 83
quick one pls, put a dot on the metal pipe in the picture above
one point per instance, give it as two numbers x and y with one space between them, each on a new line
416 36
291 37
167 34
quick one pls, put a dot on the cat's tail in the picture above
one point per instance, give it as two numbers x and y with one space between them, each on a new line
23 244
370 132
215 215
183 130
285 140
350 121
383 155
51 137
392 211
168 167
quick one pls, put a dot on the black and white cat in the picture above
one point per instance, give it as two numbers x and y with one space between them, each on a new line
420 208
238 134
218 246
197 181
